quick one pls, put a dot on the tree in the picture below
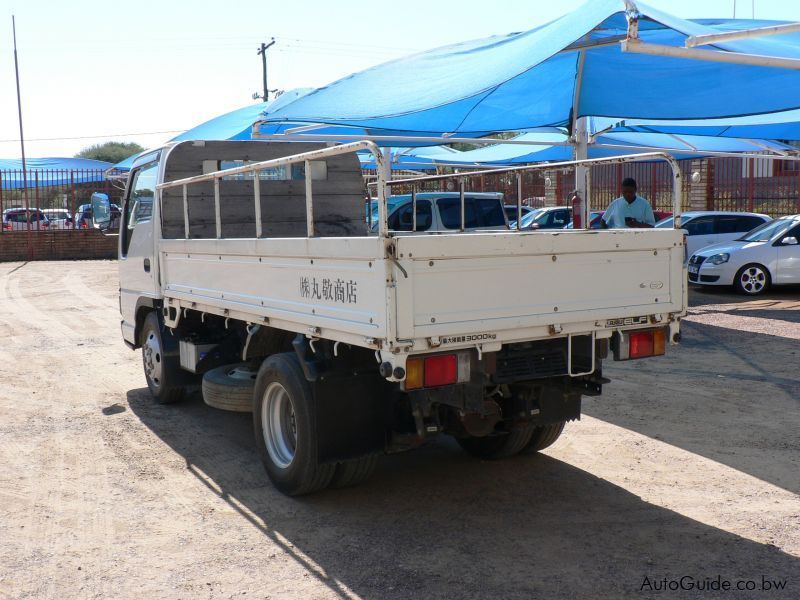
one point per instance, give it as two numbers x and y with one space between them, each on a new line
112 152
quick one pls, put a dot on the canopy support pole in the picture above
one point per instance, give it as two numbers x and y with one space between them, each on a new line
716 38
636 46
580 133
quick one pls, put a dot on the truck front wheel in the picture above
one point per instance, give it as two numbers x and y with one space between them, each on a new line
284 421
161 362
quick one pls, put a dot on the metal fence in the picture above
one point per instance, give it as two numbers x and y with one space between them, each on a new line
50 189
654 182
753 185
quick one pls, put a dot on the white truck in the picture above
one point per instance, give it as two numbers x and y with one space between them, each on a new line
249 268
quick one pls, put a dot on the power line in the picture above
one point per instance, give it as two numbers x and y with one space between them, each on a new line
91 137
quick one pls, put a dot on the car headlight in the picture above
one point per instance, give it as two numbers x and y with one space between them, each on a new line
718 259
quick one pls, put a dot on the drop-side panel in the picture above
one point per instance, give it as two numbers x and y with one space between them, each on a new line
332 283
464 284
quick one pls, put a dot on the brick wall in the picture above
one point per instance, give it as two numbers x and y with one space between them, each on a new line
698 190
57 245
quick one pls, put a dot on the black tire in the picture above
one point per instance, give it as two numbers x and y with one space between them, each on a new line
752 279
161 362
498 446
354 472
544 436
283 402
230 387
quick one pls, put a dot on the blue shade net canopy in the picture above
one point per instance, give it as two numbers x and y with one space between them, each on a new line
237 125
572 67
606 145
44 172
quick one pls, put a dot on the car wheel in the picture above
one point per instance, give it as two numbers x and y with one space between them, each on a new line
161 362
752 279
284 419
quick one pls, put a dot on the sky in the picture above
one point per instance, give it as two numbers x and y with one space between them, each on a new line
95 71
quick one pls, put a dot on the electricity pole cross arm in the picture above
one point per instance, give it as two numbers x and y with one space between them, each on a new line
263 52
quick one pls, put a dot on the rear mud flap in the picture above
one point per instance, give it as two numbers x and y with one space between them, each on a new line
353 414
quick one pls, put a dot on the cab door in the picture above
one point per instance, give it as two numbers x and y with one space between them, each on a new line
788 270
137 260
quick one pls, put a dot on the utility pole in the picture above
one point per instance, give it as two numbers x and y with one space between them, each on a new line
22 140
263 52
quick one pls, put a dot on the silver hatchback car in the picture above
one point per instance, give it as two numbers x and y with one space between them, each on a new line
768 255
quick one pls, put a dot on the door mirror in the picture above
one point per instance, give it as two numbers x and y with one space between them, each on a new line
101 211
789 241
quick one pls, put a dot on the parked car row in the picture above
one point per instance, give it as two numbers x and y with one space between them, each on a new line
18 219
749 251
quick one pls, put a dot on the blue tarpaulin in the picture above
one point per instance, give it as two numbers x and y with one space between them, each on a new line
237 125
776 126
606 145
51 171
531 79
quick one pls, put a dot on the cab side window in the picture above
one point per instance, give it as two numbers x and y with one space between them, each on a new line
139 202
737 224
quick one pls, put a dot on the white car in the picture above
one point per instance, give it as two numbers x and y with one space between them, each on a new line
768 255
441 211
704 228
22 219
550 217
59 218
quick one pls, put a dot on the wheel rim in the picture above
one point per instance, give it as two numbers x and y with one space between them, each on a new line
279 425
753 280
242 372
151 353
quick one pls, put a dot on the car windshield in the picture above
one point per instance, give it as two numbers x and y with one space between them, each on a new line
666 223
768 231
531 217
391 203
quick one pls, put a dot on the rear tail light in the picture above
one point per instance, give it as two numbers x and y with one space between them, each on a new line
436 370
628 345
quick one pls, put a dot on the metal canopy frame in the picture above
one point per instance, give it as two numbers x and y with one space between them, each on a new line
580 138
635 45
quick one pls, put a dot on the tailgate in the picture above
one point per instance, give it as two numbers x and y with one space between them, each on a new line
504 284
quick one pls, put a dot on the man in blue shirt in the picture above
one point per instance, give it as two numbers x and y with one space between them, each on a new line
629 210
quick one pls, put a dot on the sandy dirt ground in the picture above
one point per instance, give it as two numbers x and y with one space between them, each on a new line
687 466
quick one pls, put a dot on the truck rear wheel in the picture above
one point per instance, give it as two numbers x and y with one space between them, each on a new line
354 472
493 447
284 419
161 362
544 436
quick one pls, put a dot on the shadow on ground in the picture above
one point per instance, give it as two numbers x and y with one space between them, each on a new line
727 394
436 523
